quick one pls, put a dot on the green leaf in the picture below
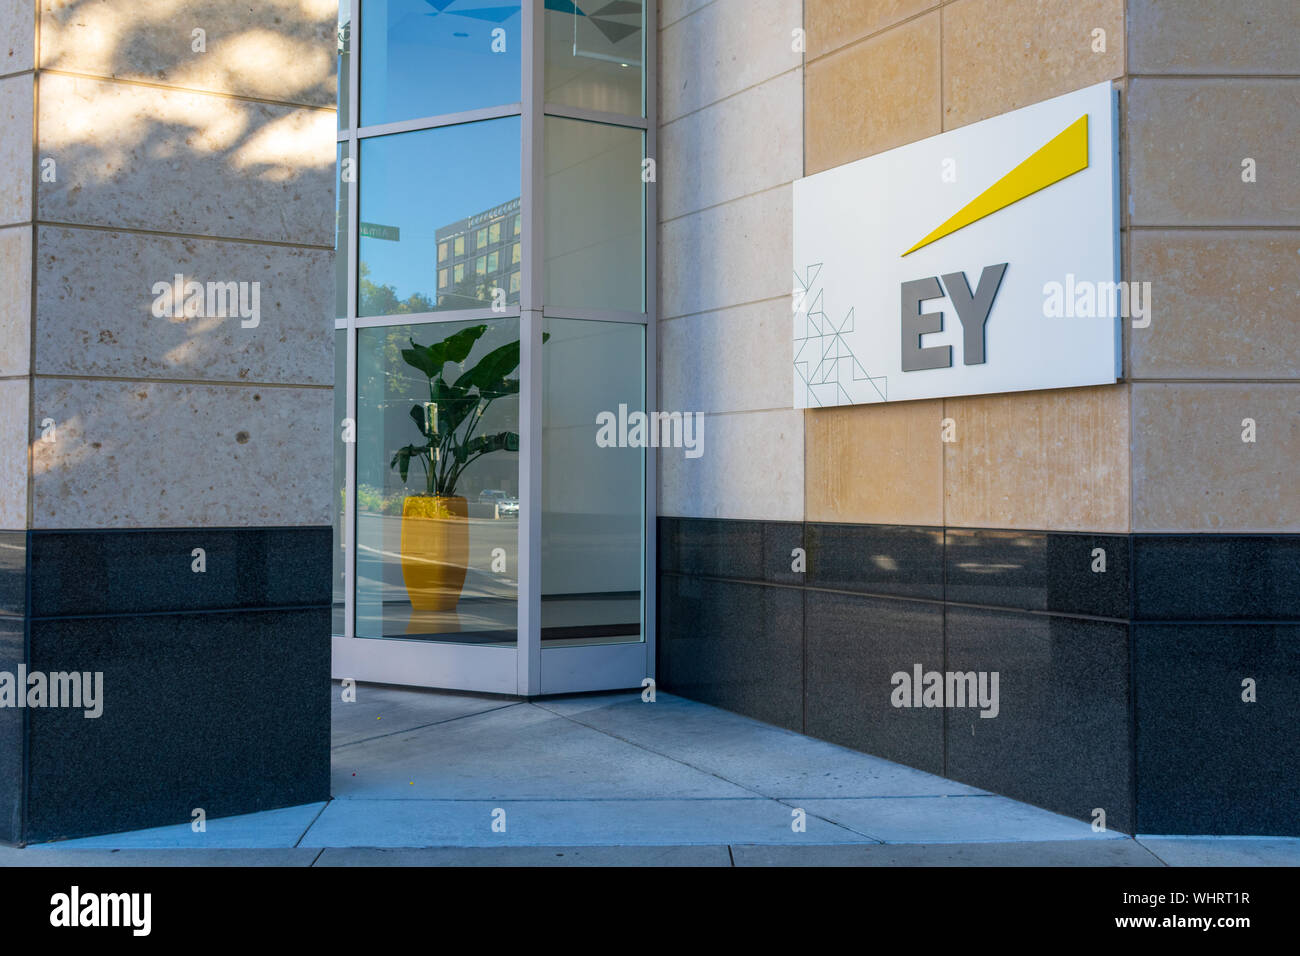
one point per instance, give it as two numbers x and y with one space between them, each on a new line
420 418
459 346
403 461
417 356
486 444
490 372
430 359
454 405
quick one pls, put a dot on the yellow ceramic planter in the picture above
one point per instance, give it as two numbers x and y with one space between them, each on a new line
435 550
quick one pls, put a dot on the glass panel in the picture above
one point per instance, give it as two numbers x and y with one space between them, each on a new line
595 234
338 506
437 550
344 61
593 491
421 190
341 187
428 57
594 55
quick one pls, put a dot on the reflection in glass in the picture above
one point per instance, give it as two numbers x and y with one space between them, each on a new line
344 61
428 57
592 496
435 206
438 482
338 506
595 232
341 187
594 55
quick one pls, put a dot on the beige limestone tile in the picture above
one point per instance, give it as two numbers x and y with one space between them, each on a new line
747 143
723 48
727 255
16 149
752 467
1000 55
1054 460
160 455
732 360
95 304
1225 304
17 35
875 464
1193 472
1187 140
16 300
832 24
282 50
13 454
873 96
164 160
1214 36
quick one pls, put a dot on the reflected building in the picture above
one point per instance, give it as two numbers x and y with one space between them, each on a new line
478 254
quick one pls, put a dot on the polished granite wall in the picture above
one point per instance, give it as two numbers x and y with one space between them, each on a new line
215 684
1092 712
13 616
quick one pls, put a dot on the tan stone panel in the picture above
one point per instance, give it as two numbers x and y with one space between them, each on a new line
13 454
159 455
1000 55
831 24
1225 304
1053 460
16 300
17 35
1214 36
732 360
724 47
144 158
875 464
16 149
752 467
283 50
96 309
1188 139
1193 472
873 96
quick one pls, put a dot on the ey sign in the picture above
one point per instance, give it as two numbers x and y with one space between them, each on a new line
920 272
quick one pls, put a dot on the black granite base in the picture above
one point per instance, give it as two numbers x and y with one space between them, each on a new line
735 645
854 644
215 685
1209 760
1120 658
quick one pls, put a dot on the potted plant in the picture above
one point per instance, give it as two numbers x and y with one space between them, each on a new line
435 520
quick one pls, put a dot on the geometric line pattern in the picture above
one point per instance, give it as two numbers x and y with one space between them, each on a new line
823 361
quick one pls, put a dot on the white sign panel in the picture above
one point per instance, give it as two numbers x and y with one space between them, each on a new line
981 260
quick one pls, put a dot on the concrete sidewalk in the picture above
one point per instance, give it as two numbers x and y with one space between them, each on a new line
427 778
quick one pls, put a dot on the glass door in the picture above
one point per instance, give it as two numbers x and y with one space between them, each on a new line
593 553
492 322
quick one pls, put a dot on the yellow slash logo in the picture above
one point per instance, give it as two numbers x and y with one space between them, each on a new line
1062 157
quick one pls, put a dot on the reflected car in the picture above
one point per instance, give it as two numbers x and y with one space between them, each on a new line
508 508
491 496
